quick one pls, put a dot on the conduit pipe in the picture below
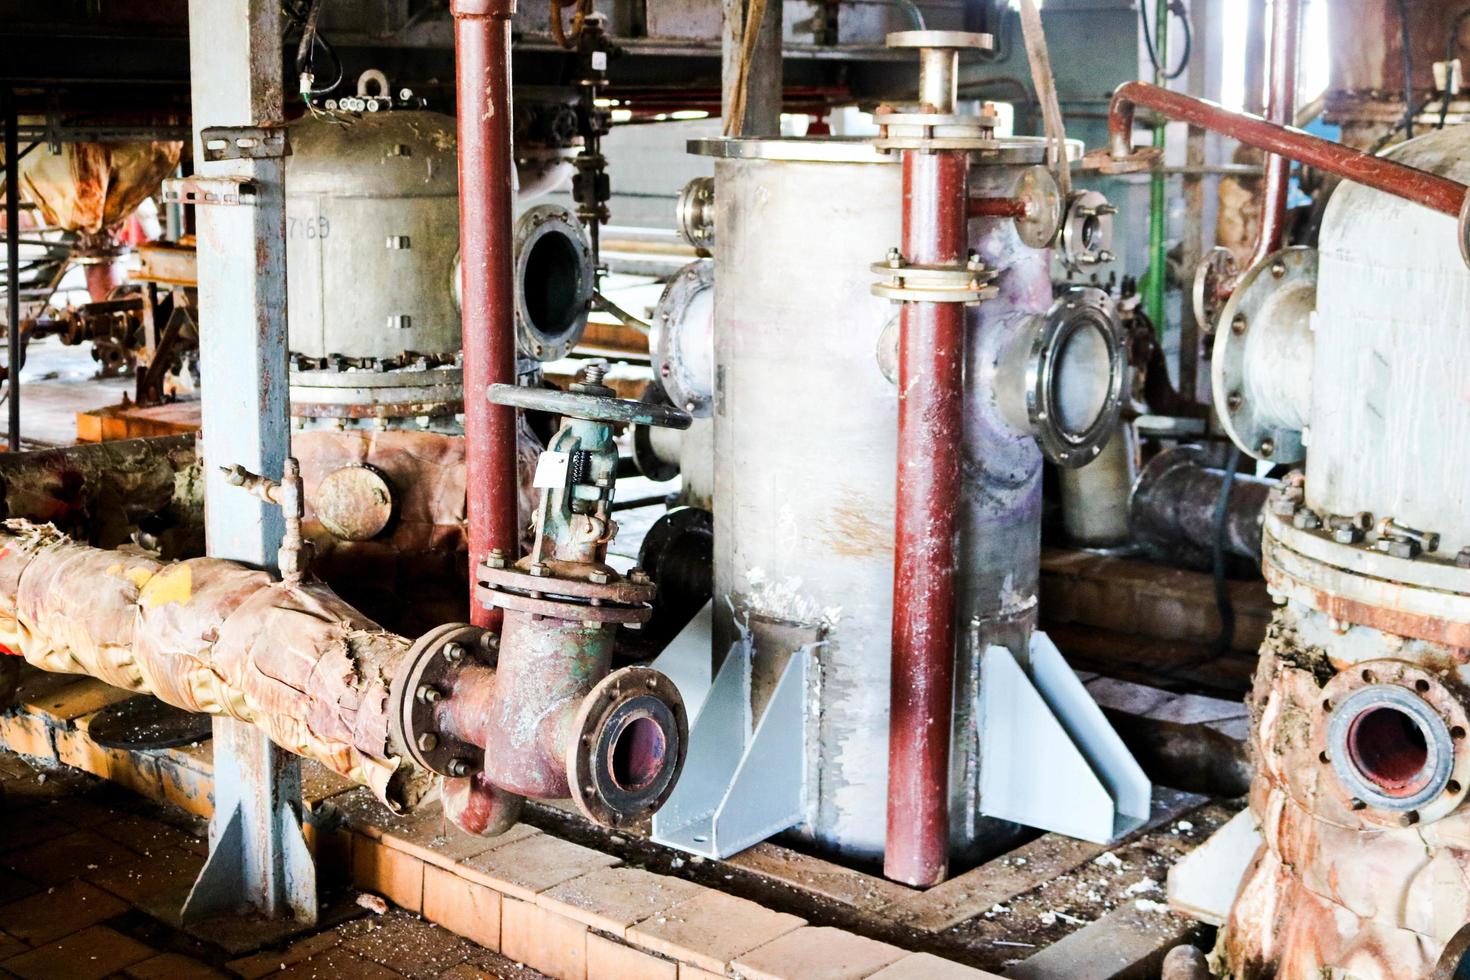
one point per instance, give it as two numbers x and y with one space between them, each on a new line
1379 173
1281 109
486 236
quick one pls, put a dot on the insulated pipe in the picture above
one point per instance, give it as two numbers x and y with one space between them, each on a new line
1418 186
486 169
214 637
930 430
1285 49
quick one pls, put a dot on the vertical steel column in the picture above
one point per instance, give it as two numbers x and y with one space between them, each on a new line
930 429
12 261
763 75
482 87
1281 109
257 854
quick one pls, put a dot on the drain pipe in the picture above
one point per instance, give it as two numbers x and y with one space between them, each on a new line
1276 186
486 241
933 278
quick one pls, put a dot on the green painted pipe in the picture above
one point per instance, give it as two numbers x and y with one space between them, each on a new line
1157 279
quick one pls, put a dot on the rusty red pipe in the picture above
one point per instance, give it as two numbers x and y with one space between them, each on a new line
930 423
482 88
999 207
1281 109
1420 187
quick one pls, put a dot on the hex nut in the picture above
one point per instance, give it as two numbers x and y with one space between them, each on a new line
428 742
599 577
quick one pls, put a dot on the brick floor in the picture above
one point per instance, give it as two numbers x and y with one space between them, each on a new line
83 862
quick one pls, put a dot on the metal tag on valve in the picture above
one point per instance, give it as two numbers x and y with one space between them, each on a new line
551 470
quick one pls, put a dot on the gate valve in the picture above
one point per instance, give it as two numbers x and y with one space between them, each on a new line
536 712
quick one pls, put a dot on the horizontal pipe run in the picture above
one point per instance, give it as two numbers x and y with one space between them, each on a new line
1420 187
999 207
213 637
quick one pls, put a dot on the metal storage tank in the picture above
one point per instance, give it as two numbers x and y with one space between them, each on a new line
805 432
372 231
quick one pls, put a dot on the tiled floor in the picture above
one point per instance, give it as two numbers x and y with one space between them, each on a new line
81 862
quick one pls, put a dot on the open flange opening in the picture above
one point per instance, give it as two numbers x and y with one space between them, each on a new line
637 755
552 284
1390 749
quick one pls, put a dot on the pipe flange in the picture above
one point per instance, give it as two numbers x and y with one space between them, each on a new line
553 281
1213 279
681 339
1248 309
424 679
1076 370
630 739
569 579
906 282
957 40
1043 221
1087 231
1394 736
694 213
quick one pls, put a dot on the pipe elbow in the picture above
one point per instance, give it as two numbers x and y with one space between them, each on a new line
1120 121
479 807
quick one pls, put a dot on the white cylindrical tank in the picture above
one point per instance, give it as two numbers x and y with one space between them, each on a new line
805 436
1390 420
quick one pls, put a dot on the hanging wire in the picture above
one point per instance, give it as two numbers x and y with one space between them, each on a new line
1452 47
1408 59
1177 9
311 41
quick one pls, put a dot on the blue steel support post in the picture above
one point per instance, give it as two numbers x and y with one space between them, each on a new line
258 855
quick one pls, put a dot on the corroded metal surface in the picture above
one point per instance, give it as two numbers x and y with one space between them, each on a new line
1338 887
354 502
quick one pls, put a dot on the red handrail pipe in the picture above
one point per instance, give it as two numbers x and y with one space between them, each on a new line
1429 190
482 87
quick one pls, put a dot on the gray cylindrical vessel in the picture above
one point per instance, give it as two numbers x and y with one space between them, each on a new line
805 428
372 229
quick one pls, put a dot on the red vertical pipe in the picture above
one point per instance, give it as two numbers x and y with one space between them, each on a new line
1285 48
930 420
482 89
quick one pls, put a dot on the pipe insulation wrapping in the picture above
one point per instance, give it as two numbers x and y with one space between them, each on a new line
214 637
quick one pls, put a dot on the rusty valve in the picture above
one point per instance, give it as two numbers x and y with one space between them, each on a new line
535 712
285 494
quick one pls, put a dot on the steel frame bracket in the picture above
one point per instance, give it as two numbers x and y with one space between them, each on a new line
741 782
209 190
1048 757
244 143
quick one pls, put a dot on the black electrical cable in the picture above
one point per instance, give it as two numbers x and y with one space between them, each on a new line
1408 59
1176 7
310 41
1451 46
1223 606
